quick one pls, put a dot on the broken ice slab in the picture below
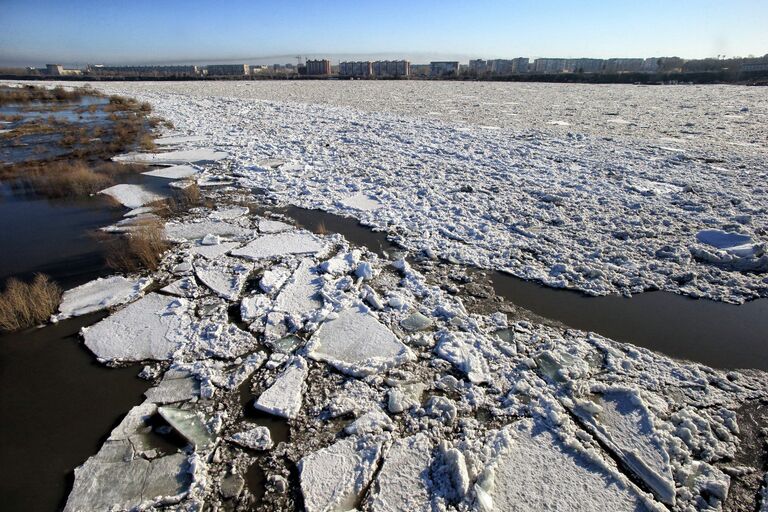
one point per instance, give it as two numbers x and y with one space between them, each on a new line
334 478
287 345
150 328
257 438
625 426
184 287
462 350
177 139
191 230
273 226
225 276
189 425
188 156
416 322
301 294
539 472
100 294
403 483
132 196
279 244
127 485
284 397
732 251
175 387
357 344
175 172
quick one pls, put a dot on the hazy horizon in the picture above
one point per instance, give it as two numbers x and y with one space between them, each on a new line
33 33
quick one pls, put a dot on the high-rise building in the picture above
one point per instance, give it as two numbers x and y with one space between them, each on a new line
391 68
228 70
443 68
363 69
320 67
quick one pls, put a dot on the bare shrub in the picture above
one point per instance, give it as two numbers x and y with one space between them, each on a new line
24 305
140 249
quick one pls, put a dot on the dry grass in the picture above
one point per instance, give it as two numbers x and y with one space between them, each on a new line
67 178
30 93
24 305
320 228
140 249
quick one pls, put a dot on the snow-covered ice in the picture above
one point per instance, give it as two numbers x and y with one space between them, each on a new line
356 343
132 196
279 244
188 156
284 396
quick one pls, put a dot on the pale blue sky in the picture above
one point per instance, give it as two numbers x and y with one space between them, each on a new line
35 32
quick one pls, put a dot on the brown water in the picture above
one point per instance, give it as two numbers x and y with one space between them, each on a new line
58 405
717 334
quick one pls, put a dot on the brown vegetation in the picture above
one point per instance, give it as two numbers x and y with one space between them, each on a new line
30 93
142 248
24 305
66 178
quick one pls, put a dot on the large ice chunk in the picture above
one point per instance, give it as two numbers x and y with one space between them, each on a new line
279 244
121 485
147 329
301 294
333 478
196 230
357 344
225 276
100 294
189 425
284 397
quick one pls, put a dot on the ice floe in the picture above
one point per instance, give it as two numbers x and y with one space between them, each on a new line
100 294
175 172
279 244
173 157
284 396
132 196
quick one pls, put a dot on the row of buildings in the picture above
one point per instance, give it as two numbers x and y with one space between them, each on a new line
435 69
549 66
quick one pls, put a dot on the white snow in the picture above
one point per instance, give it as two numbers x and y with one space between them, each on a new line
257 438
100 294
361 202
174 140
403 483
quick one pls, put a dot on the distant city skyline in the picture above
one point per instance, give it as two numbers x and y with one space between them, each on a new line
36 32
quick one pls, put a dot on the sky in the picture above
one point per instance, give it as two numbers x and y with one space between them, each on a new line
72 32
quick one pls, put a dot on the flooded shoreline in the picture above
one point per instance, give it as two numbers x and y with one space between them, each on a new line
716 334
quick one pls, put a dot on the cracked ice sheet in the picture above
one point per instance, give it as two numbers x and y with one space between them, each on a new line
403 483
551 196
539 473
190 230
100 294
225 276
132 196
153 327
356 343
332 479
279 244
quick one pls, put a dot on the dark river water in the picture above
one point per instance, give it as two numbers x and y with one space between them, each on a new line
717 334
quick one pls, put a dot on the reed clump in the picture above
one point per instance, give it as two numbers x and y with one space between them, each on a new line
24 305
141 248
